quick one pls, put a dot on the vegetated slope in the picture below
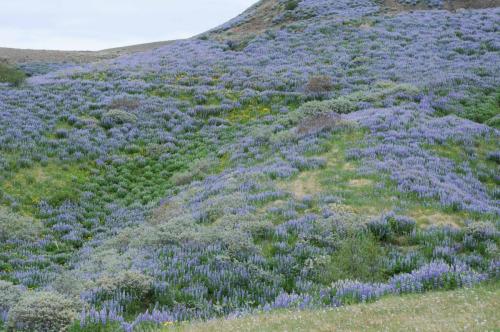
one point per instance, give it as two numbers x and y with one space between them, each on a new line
342 156
473 309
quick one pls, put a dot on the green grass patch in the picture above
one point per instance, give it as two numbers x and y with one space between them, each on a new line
256 109
248 113
163 92
11 75
93 76
483 108
53 183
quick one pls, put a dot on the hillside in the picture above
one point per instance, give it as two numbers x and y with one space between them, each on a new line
305 155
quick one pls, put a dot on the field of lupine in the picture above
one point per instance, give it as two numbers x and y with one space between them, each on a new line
339 157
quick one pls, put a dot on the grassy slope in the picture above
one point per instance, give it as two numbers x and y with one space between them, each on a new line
465 309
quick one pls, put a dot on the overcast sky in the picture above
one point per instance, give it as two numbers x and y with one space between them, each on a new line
101 24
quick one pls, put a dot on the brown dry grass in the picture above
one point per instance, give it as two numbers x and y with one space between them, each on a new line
429 217
306 183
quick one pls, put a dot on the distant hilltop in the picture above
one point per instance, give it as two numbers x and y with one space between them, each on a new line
264 15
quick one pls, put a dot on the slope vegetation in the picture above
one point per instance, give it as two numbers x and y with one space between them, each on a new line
342 156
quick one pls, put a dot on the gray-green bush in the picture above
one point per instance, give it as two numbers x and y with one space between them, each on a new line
42 312
117 117
131 281
9 295
339 105
16 226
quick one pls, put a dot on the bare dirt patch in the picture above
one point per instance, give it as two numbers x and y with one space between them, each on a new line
349 167
261 16
360 182
306 184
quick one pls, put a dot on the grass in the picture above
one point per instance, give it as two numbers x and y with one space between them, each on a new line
248 113
474 309
53 183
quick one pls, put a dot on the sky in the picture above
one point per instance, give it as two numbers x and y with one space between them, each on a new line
101 24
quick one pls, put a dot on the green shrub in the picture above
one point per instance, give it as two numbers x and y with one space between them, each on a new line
292 4
484 109
359 257
494 121
236 45
339 105
381 229
401 225
117 117
9 295
283 137
197 171
42 312
11 75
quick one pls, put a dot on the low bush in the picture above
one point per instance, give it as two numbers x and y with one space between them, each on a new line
390 225
9 295
380 228
232 45
42 312
117 117
401 225
196 172
11 75
292 4
359 257
15 226
125 103
319 86
483 109
317 124
482 231
132 282
494 156
494 121
339 105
